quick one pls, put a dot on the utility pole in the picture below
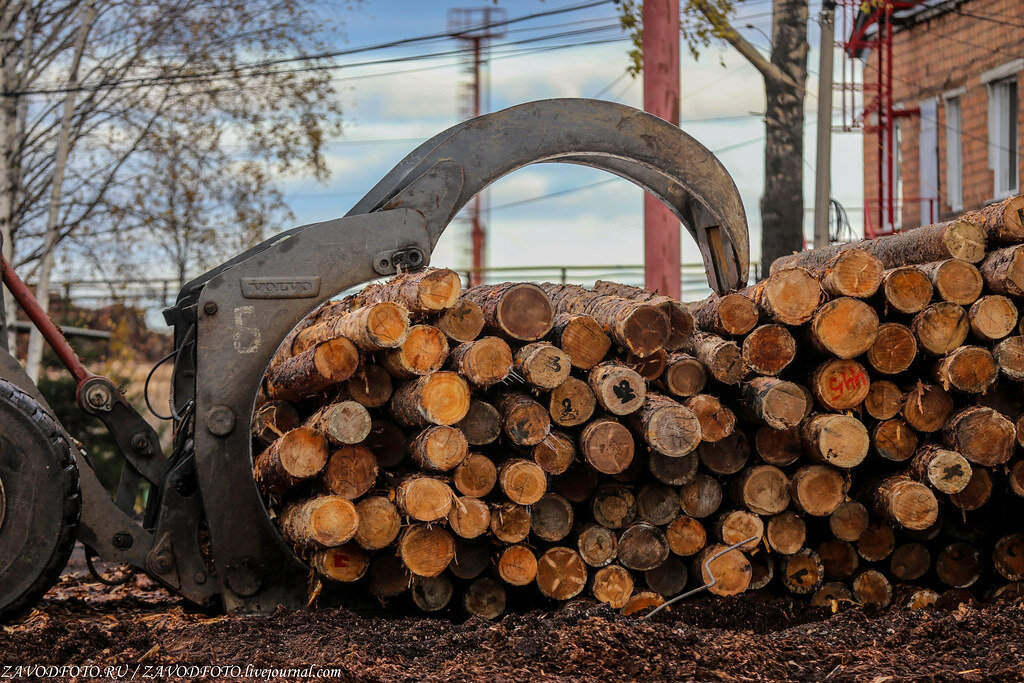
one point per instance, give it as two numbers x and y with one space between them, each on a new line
823 163
661 98
473 28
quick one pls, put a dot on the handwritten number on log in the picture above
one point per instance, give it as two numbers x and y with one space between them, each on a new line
624 392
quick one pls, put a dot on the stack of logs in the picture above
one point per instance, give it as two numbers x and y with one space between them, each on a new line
851 421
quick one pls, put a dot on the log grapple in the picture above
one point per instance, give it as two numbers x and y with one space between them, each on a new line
206 533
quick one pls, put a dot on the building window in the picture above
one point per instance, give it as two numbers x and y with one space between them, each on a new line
1002 136
954 155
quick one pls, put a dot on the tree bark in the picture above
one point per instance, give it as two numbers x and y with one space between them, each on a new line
728 315
514 310
426 291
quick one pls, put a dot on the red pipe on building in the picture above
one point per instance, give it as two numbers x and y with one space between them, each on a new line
661 98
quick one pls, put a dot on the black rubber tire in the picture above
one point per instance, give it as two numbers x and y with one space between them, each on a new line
43 501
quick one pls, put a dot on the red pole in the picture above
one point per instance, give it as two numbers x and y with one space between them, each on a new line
477 235
661 98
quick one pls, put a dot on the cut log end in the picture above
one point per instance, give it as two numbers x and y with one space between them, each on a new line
561 574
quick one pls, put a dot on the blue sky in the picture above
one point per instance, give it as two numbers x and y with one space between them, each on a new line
387 113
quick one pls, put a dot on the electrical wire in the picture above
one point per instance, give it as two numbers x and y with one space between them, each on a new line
149 378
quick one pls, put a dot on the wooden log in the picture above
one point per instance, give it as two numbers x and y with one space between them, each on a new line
716 420
785 533
272 420
523 421
597 545
424 350
872 589
802 572
884 400
669 428
483 362
461 323
912 597
774 402
728 456
657 505
976 493
970 369
721 358
927 407
672 471
1015 477
779 447
510 523
906 289
680 318
853 272
955 280
701 497
551 518
831 594
424 499
640 328
684 375
514 310
769 349
954 597
297 456
469 517
482 424
484 598
577 484
650 367
835 439
522 481
910 562
817 489
321 522
762 489
346 564
387 443
894 349
433 593
351 471
642 546
312 371
561 573
607 445
555 453
1009 353
426 549
425 291
840 384
993 317
734 526
762 571
370 386
613 506
343 423
1003 271
845 327
960 239
1008 557
729 574
940 328
618 389
905 502
582 339
542 365
686 536
475 476
788 296
388 577
669 578
379 523
1003 222
944 470
848 521
571 403
440 398
517 565
958 565
729 315
876 542
641 603
981 435
371 328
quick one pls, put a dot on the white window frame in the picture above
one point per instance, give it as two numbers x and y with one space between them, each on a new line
954 151
1003 129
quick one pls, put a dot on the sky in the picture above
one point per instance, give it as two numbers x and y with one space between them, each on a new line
592 218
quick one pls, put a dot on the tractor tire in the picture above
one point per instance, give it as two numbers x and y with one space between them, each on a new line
40 501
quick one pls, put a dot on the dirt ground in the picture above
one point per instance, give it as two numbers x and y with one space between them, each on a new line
139 629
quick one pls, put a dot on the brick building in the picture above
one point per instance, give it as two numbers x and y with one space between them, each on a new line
957 69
